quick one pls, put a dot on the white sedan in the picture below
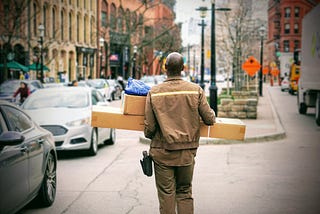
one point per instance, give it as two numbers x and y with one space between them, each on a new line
66 113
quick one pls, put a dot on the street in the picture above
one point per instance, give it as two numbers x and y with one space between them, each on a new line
269 177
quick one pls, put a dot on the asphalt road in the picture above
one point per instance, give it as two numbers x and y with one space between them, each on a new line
272 177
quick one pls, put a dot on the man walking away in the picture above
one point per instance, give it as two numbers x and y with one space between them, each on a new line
173 113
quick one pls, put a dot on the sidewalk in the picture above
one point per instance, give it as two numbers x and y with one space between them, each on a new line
267 126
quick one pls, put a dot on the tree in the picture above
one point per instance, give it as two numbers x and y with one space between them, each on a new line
12 28
240 39
140 27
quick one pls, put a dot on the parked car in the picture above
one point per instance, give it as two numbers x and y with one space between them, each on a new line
101 85
149 80
115 89
9 87
28 161
285 84
66 113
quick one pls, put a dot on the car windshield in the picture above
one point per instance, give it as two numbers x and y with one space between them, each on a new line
96 84
54 99
111 82
9 87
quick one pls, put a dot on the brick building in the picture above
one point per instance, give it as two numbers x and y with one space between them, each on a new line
284 26
129 30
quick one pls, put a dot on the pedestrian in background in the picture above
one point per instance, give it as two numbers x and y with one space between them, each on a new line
173 113
24 92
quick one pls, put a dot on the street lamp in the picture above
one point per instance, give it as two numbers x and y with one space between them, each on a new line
41 31
203 13
135 49
101 43
213 89
262 31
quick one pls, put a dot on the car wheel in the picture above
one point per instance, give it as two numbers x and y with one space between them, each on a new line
94 143
112 137
48 188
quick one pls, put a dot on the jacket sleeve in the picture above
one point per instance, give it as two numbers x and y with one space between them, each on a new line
207 114
16 93
149 119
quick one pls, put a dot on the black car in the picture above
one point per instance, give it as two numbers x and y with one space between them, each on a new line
28 161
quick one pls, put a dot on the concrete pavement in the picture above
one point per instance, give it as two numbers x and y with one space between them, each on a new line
267 126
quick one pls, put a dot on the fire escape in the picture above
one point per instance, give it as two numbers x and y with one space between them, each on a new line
277 32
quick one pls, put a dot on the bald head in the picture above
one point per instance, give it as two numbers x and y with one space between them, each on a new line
174 64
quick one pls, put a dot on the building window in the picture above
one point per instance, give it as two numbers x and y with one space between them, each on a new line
104 14
287 12
61 26
296 44
113 19
70 27
44 21
35 20
286 46
128 21
53 23
296 28
287 28
296 11
78 28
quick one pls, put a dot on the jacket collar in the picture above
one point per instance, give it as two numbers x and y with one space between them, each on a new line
173 78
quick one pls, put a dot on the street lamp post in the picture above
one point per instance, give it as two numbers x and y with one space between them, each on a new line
203 13
213 89
41 31
262 31
135 49
101 43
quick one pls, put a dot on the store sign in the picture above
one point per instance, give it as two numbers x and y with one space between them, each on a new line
114 57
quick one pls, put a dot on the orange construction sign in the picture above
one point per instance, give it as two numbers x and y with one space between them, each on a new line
251 66
275 71
265 70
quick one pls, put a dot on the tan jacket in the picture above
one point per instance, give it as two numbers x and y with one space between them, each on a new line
173 113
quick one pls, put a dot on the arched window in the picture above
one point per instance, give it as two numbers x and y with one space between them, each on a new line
113 16
44 19
78 28
104 14
61 26
70 27
85 31
53 23
128 29
120 19
35 26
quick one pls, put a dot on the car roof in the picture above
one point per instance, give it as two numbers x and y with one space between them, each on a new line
64 89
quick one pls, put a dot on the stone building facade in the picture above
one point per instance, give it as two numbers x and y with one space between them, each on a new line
83 38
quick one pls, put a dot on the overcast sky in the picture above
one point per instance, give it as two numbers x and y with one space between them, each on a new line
185 9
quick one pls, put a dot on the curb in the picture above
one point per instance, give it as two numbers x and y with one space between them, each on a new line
278 135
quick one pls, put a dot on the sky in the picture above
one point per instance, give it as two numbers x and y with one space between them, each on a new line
186 9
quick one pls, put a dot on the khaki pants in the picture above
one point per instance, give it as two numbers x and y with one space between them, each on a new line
174 185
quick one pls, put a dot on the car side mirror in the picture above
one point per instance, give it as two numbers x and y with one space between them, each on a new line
11 138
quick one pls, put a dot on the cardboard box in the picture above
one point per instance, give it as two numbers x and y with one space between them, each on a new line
133 105
110 117
226 128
